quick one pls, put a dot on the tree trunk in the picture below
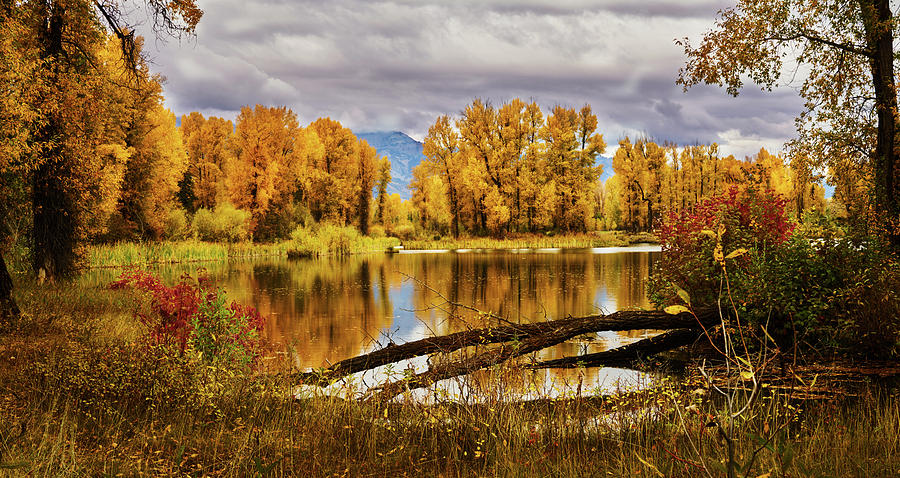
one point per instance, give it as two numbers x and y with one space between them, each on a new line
9 312
626 355
878 22
53 205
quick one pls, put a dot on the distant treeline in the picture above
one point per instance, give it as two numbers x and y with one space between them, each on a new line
116 166
510 169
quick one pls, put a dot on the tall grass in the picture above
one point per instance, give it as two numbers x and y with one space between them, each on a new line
132 253
76 400
536 241
330 240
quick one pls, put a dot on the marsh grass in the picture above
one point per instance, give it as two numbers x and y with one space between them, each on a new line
123 254
67 409
536 241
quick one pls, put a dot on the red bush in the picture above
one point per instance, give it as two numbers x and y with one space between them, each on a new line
169 321
752 219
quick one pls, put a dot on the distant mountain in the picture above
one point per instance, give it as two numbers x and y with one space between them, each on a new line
404 152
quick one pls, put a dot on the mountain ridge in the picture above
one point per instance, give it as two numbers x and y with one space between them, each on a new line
404 152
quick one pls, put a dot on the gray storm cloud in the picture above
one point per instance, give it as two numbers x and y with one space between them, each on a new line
379 65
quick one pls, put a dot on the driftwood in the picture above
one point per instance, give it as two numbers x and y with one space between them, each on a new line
517 340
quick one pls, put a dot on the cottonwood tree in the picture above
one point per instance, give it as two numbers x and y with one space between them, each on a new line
50 119
845 49
266 162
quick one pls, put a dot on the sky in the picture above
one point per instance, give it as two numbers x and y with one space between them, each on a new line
398 65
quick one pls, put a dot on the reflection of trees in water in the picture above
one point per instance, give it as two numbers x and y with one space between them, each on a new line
331 309
531 287
328 310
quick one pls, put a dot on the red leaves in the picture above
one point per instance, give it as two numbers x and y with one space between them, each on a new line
746 218
169 321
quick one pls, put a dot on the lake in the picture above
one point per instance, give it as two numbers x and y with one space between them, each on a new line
325 310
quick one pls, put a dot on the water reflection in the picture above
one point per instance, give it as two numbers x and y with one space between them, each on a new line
330 309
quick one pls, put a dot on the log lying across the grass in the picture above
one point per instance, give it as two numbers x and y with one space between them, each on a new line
516 339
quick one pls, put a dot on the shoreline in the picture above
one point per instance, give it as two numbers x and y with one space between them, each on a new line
127 254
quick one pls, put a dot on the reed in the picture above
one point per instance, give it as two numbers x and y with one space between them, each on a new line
536 241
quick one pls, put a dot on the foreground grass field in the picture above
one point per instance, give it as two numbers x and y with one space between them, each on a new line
77 398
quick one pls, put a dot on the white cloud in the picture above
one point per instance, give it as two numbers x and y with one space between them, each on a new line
399 64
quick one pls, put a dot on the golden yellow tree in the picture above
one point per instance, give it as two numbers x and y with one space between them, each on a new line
264 170
443 158
206 143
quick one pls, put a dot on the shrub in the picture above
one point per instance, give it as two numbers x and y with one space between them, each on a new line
176 225
404 232
748 220
376 231
338 240
739 247
192 316
224 223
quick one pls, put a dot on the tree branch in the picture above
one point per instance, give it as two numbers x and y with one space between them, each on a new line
816 39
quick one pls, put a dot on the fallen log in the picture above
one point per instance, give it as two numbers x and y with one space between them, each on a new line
504 352
543 332
627 355
620 356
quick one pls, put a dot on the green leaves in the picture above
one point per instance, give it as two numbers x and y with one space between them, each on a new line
676 309
682 294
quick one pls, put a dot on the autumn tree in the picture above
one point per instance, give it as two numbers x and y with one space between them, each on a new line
442 157
846 51
332 178
266 164
366 160
383 178
572 148
54 42
205 141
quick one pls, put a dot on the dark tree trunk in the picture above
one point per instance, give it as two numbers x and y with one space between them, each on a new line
53 204
878 22
9 312
538 334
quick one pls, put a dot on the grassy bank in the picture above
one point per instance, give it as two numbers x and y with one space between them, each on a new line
536 241
138 253
76 399
328 241
131 253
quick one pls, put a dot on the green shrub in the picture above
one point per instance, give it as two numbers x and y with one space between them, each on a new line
176 225
737 250
376 231
224 224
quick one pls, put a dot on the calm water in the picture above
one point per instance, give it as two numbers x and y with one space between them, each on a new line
326 310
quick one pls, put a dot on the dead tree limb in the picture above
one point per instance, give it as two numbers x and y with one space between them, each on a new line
627 355
621 356
486 359
570 327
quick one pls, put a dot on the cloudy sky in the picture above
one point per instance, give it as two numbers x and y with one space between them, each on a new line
397 65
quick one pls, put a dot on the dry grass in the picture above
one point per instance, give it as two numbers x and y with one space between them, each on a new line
61 415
